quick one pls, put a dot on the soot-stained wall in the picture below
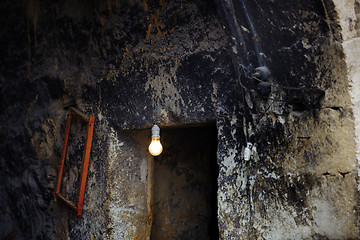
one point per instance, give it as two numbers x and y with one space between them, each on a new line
133 63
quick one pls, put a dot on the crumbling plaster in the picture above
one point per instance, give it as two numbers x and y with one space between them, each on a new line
349 15
133 63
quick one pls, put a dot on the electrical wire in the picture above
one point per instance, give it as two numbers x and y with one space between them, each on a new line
273 85
245 115
245 88
252 30
285 87
231 19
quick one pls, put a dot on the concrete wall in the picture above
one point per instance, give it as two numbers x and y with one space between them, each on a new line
133 63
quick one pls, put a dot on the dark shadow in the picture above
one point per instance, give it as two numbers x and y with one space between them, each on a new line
185 185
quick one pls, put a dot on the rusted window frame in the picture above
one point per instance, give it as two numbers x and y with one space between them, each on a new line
85 160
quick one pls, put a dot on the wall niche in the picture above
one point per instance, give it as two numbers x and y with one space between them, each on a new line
185 185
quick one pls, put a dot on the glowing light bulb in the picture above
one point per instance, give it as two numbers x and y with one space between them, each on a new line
155 147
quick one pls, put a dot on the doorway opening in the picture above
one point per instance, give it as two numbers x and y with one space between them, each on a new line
185 185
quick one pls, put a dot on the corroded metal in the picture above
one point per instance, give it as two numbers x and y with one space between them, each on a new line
85 160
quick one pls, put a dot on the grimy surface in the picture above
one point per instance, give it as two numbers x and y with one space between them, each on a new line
180 63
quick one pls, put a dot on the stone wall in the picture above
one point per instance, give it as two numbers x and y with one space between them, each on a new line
181 63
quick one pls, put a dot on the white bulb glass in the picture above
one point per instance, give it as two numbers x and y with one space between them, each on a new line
155 147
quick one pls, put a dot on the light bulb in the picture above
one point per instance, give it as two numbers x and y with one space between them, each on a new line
155 147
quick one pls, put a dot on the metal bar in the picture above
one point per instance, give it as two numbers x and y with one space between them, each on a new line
70 204
82 115
85 165
63 154
85 160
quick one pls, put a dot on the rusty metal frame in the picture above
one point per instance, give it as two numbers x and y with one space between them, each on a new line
85 160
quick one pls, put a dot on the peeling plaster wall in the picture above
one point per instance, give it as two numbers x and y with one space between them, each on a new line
349 20
133 63
127 178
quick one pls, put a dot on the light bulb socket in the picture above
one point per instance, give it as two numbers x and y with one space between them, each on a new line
155 131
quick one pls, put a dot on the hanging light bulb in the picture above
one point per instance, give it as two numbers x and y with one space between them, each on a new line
155 147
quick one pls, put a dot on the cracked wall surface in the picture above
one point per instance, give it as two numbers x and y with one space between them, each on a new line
135 63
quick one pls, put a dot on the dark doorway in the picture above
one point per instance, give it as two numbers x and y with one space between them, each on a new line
185 185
